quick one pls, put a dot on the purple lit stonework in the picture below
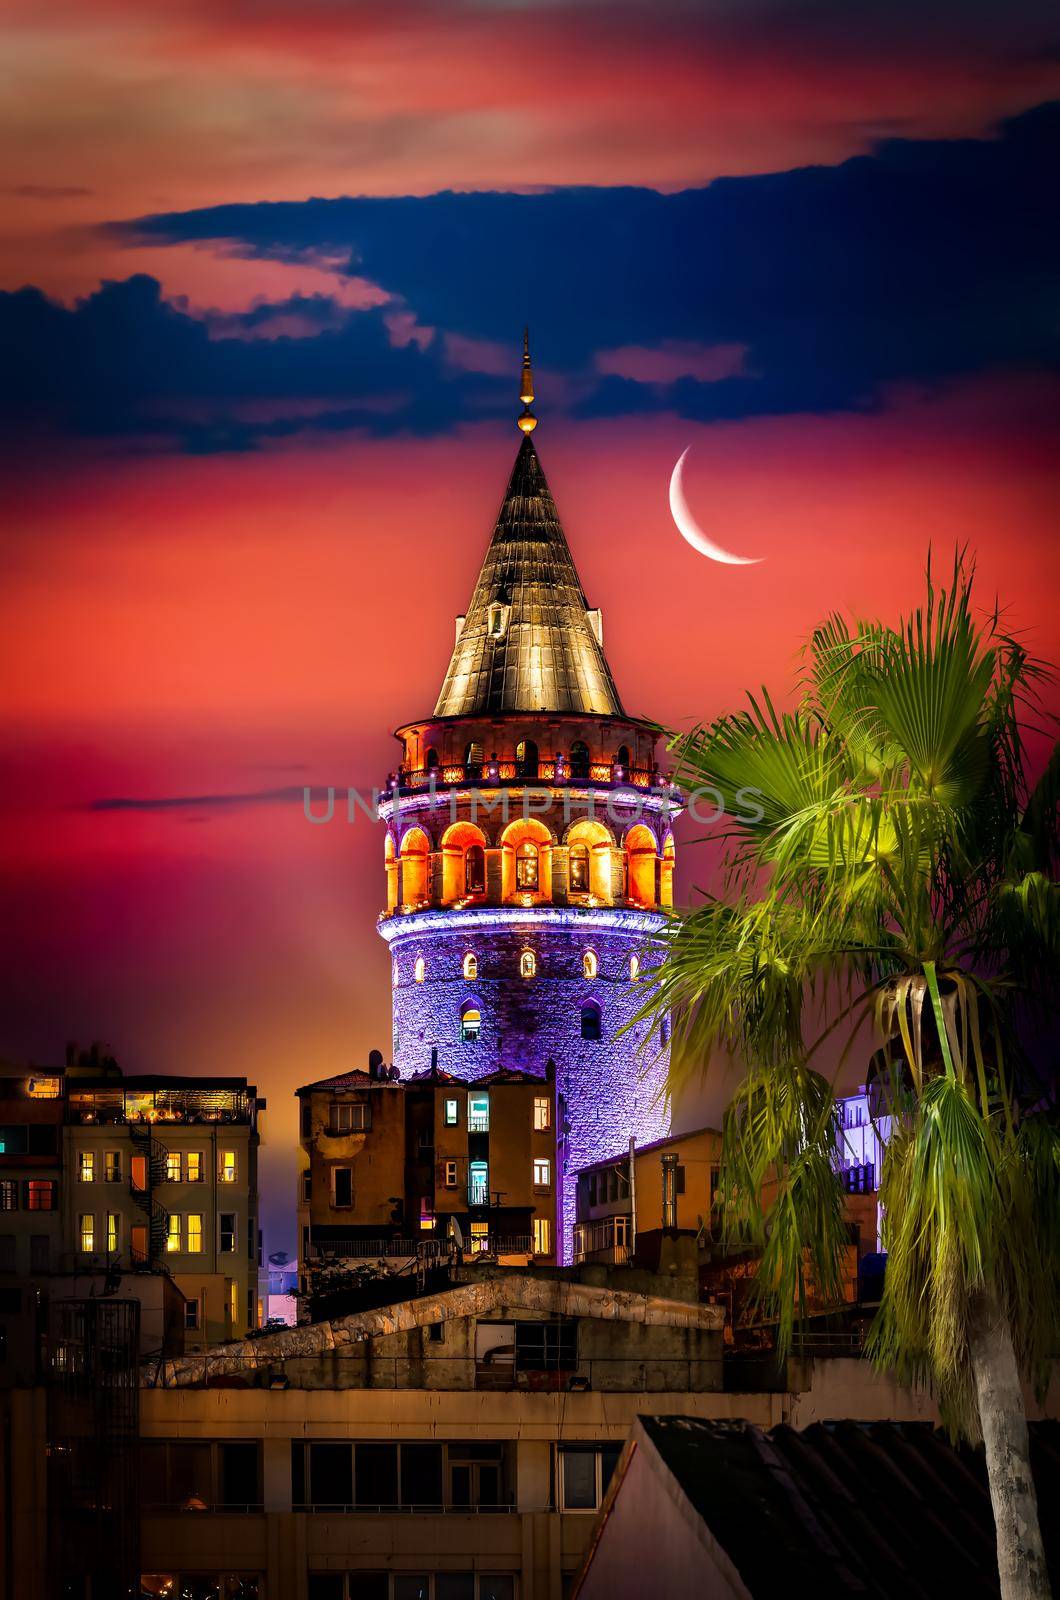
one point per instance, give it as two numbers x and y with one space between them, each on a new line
529 853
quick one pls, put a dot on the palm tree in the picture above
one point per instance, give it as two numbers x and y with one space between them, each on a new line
886 862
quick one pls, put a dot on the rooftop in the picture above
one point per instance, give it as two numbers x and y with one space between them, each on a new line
842 1508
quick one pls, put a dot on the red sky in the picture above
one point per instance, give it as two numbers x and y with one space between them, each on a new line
237 625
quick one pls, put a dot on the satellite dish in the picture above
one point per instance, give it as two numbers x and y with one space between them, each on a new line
456 1232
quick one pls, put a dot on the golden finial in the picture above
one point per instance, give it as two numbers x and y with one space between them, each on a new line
527 422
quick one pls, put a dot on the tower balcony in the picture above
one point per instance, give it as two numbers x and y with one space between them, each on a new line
493 773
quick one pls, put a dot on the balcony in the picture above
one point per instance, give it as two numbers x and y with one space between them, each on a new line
493 774
606 1241
199 1107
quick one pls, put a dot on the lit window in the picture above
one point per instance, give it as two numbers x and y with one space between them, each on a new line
426 1214
527 866
478 1113
41 1194
174 1239
542 1236
478 1183
227 1231
473 757
480 1238
112 1166
44 1088
451 1113
194 1166
394 975
590 1020
579 868
634 966
542 1172
87 1168
475 870
450 1174
233 1302
87 1230
542 1114
113 1233
227 1168
420 970
590 965
195 1233
470 966
470 1023
8 1194
528 964
173 1166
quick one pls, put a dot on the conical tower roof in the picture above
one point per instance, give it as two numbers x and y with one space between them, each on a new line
529 641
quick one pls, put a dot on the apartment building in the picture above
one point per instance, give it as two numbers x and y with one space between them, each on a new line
673 1185
395 1168
161 1175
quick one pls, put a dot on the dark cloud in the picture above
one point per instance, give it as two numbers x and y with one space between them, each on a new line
216 802
923 261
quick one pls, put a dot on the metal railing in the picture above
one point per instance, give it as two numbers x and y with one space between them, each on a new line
606 1240
407 1511
449 774
390 1249
374 1249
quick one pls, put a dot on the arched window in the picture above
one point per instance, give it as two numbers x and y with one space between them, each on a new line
634 966
579 869
475 870
470 965
473 758
527 866
579 760
590 965
623 756
394 975
420 971
528 964
590 1020
470 1022
526 759
432 759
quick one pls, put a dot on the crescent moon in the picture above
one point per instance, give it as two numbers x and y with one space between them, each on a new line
689 528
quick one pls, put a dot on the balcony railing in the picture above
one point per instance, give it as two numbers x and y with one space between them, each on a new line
488 774
607 1241
373 1249
203 1107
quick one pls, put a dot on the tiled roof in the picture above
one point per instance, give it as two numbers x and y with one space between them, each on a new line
528 642
848 1508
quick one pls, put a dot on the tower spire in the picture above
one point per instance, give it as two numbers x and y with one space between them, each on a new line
527 422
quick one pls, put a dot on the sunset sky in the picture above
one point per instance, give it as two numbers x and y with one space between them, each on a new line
266 266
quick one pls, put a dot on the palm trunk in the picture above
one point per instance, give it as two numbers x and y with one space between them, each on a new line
1020 1555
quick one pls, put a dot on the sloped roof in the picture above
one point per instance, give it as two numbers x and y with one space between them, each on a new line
845 1508
543 654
